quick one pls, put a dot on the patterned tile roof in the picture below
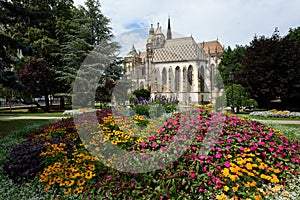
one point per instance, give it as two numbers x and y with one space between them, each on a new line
212 46
178 49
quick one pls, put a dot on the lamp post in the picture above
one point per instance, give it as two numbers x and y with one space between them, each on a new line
231 76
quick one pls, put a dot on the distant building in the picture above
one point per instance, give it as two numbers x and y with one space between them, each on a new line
175 67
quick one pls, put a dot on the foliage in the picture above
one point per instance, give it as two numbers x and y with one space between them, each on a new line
142 93
24 161
240 97
270 70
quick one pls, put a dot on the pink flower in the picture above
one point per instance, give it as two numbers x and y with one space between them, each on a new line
179 150
208 174
277 165
228 141
281 148
219 149
132 185
151 138
153 144
204 169
227 164
143 144
219 155
271 149
193 175
193 148
294 160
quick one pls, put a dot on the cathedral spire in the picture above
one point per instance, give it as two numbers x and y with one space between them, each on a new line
169 32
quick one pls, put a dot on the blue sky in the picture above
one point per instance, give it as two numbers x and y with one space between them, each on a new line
233 22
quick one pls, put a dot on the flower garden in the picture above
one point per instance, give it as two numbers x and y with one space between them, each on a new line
242 159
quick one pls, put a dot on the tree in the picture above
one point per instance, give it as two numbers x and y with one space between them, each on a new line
270 70
231 61
240 97
38 80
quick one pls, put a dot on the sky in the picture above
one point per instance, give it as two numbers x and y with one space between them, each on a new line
232 22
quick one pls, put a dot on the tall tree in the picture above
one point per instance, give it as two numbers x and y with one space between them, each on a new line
270 70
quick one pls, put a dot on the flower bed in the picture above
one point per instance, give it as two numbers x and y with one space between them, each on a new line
276 114
244 159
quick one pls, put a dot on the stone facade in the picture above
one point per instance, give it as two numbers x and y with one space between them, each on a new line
175 67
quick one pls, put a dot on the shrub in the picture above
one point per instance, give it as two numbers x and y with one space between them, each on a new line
24 161
141 110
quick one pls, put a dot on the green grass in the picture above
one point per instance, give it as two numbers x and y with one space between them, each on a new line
288 130
265 118
8 126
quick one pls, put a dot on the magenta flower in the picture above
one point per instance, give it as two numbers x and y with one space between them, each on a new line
193 175
294 160
143 144
153 144
132 185
193 148
219 155
227 164
179 150
271 149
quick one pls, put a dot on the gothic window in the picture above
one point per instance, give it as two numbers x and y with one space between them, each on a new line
164 80
201 79
184 77
171 79
177 79
190 78
142 85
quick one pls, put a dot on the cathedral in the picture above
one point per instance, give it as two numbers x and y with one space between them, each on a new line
175 67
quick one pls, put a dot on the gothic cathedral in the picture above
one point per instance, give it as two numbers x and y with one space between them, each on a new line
175 67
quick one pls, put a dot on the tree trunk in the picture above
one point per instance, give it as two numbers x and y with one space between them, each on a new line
47 105
62 103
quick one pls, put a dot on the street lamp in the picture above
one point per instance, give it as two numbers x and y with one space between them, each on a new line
231 76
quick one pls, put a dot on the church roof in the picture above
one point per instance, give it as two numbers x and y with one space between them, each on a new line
212 46
178 49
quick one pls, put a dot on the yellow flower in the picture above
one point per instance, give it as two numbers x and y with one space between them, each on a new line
225 188
253 184
69 183
277 171
89 174
79 190
81 182
67 190
229 156
249 166
47 187
114 142
221 197
225 172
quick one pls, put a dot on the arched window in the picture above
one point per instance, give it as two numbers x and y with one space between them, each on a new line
201 79
177 78
184 77
171 80
190 78
141 85
164 80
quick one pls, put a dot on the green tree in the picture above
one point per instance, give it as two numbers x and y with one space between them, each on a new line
270 70
238 97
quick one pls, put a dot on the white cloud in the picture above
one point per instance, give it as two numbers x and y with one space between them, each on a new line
232 21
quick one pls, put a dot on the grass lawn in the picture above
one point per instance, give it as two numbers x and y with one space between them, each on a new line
7 126
265 118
